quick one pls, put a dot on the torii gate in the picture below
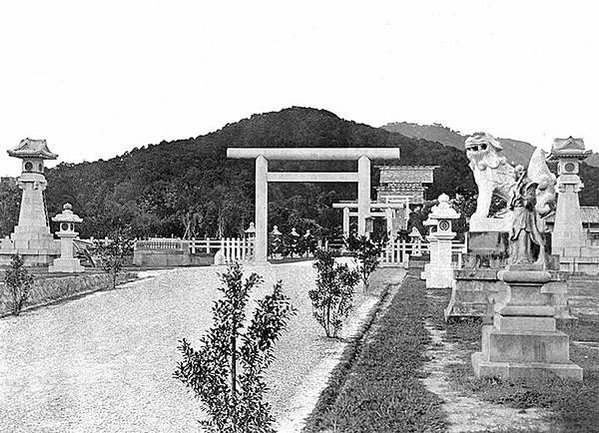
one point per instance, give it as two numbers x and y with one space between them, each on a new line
262 155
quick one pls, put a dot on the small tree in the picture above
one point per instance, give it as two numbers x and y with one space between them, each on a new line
227 372
332 299
19 282
367 253
112 254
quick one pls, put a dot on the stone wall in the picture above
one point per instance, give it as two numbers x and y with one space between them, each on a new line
48 289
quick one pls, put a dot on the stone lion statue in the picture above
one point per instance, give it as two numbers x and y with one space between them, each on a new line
492 173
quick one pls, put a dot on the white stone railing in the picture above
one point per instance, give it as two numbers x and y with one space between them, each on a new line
160 244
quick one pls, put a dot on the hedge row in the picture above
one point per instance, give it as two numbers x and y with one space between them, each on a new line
47 290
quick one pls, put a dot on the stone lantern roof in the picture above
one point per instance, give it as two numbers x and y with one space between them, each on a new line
569 148
29 148
67 215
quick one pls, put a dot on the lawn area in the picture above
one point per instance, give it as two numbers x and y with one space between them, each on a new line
379 386
572 407
376 387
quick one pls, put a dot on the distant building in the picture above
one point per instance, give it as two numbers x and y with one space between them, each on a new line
400 186
398 182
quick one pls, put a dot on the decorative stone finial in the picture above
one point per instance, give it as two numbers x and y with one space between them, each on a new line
444 210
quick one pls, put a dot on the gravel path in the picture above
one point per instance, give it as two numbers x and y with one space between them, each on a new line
104 362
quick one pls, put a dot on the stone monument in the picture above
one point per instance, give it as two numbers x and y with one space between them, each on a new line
569 240
439 272
523 341
31 237
66 220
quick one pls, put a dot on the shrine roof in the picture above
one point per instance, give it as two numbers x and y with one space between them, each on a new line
392 174
30 148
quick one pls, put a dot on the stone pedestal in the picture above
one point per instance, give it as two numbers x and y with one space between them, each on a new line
523 341
476 287
66 262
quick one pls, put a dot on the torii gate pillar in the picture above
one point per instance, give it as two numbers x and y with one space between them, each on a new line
363 193
261 216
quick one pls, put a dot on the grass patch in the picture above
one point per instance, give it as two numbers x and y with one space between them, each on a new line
376 387
575 406
48 290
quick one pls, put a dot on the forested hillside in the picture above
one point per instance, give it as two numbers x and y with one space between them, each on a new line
189 188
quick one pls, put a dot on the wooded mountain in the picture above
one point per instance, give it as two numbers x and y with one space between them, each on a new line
189 188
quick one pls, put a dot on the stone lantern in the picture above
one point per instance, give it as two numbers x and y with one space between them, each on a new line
31 236
67 220
250 232
568 235
440 272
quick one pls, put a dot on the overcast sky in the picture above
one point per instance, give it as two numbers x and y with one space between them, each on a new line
98 79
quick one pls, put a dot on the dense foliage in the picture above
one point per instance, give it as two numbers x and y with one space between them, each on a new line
112 254
227 372
366 252
19 282
332 300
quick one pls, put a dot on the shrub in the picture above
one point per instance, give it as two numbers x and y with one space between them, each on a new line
367 253
227 372
112 253
19 282
333 296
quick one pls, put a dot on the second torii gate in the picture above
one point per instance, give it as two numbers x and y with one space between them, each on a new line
262 155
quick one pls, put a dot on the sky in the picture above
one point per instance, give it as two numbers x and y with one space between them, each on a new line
99 78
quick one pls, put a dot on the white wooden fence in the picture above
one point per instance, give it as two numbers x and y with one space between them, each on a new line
398 252
232 249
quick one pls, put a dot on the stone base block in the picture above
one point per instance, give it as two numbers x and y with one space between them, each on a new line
525 346
66 265
473 295
516 323
514 370
439 278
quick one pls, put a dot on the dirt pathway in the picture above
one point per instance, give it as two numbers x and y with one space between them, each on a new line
466 413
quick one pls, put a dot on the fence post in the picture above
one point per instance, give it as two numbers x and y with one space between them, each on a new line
207 245
193 245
